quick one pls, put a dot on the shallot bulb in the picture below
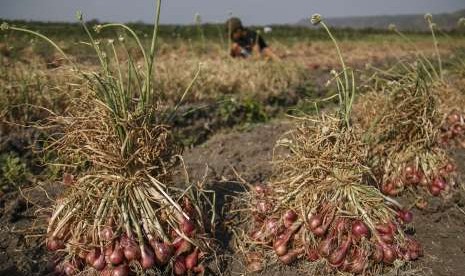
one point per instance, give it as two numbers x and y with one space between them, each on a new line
415 178
406 216
179 266
453 118
360 230
450 167
69 269
291 256
409 170
439 182
131 249
147 259
192 259
271 226
163 251
181 245
325 247
121 270
337 257
314 221
68 179
99 263
117 256
316 225
289 218
187 227
54 244
389 254
92 256
434 190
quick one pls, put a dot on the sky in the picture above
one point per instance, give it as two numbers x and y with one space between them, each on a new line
182 11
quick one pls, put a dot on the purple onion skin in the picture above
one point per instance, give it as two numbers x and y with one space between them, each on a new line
121 270
147 259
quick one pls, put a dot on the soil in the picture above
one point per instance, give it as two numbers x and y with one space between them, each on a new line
226 159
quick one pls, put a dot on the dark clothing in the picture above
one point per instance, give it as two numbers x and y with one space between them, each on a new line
248 40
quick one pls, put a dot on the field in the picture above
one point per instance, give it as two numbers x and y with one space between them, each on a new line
228 122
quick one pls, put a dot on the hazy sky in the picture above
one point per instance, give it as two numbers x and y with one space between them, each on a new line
182 11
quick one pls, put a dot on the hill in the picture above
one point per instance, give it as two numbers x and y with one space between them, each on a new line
413 22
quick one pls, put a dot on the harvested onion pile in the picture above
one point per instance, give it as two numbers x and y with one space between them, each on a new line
123 211
320 205
320 208
404 149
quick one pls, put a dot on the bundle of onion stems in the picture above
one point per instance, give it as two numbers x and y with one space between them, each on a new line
320 205
404 136
404 148
122 210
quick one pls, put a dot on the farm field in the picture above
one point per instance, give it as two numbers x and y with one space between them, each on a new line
228 124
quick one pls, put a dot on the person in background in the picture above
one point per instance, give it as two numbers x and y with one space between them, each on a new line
245 42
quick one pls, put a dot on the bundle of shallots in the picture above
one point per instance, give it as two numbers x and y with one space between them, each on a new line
321 205
123 211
